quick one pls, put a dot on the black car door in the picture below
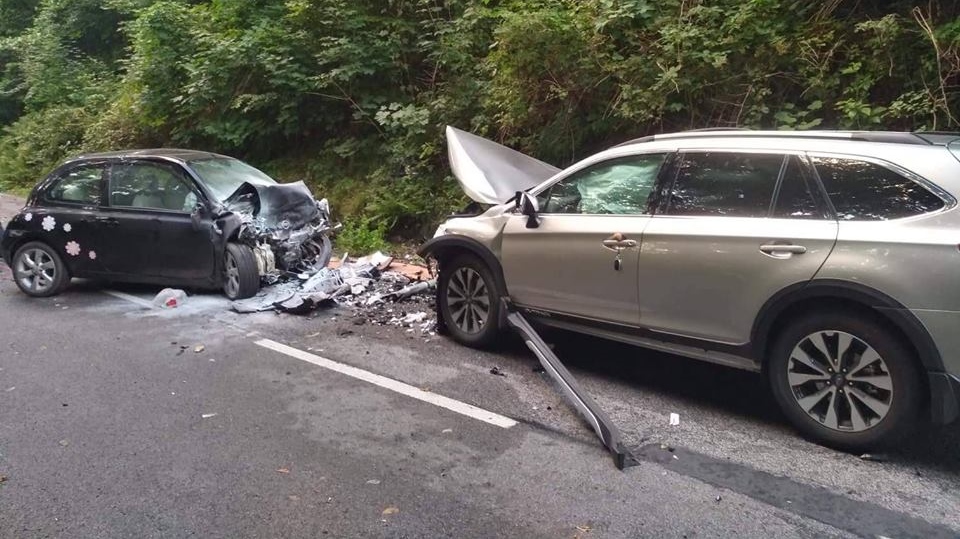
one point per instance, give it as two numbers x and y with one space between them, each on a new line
149 220
65 216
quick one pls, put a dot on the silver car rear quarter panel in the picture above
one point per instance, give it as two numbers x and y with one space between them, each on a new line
944 329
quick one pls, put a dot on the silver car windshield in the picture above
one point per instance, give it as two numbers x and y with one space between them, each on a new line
223 175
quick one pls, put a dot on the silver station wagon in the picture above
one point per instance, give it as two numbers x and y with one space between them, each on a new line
827 260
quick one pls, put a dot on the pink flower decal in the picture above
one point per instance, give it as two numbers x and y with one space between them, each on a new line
67 227
93 255
49 223
73 248
28 217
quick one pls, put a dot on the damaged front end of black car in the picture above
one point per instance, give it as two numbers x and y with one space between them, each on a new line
287 230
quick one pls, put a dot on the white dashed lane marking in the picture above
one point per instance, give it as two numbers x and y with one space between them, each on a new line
461 408
128 297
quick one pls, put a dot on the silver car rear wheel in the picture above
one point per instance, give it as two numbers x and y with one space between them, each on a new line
840 381
846 378
468 300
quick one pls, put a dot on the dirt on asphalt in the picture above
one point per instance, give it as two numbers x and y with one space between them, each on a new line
9 206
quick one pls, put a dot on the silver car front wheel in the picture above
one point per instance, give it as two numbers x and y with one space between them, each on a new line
468 301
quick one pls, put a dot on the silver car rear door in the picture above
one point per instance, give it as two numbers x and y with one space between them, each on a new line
720 248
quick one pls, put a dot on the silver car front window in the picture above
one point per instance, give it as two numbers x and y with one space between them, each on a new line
620 186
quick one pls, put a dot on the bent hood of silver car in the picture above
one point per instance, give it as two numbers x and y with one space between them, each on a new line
491 173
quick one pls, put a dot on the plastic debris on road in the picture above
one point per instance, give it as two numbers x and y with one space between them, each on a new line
170 298
375 287
674 419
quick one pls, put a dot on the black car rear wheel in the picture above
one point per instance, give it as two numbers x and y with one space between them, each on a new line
241 279
39 271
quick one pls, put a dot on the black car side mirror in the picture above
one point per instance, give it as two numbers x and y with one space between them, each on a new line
196 216
527 205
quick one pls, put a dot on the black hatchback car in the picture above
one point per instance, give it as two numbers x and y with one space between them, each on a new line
169 217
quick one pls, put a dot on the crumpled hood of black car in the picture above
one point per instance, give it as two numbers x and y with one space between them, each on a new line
275 203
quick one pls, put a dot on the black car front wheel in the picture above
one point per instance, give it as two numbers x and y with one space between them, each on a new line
241 278
39 271
469 301
845 380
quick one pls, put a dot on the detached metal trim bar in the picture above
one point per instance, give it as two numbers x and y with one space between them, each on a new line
598 420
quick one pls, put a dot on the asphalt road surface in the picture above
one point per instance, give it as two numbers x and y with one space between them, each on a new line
118 420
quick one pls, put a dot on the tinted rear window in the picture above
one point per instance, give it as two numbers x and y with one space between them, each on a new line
725 183
863 191
796 198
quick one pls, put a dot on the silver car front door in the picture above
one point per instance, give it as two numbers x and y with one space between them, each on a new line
582 258
722 248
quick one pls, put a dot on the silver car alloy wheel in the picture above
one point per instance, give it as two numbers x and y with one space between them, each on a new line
35 270
468 300
231 276
840 381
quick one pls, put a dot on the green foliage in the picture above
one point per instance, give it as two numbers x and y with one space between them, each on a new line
353 95
361 236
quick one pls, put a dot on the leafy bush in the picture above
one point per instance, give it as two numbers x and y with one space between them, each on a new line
360 237
353 95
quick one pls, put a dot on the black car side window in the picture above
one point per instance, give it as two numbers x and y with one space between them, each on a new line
864 191
795 198
150 185
620 186
79 185
726 184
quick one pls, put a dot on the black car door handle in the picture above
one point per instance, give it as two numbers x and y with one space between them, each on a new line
108 221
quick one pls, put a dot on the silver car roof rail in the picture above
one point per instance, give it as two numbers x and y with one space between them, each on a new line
892 137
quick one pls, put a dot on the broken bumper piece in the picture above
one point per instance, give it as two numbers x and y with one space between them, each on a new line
365 280
598 420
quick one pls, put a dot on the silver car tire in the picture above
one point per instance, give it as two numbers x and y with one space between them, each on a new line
39 271
468 301
846 380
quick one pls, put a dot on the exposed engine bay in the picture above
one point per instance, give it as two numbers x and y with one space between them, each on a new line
287 228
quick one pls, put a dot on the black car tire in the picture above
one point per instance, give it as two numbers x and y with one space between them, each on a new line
468 301
57 282
899 370
241 278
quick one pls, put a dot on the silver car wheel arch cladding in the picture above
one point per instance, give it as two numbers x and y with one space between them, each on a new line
36 270
840 381
468 300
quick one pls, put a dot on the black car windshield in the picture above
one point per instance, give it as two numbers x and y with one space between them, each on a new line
223 175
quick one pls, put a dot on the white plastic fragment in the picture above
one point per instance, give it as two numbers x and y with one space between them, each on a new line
207 416
170 298
674 419
414 318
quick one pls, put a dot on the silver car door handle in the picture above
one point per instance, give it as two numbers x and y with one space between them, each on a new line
774 248
619 244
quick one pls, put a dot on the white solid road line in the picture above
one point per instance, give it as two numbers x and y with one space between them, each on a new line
388 383
128 297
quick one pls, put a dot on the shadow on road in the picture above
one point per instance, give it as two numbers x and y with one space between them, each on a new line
727 390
